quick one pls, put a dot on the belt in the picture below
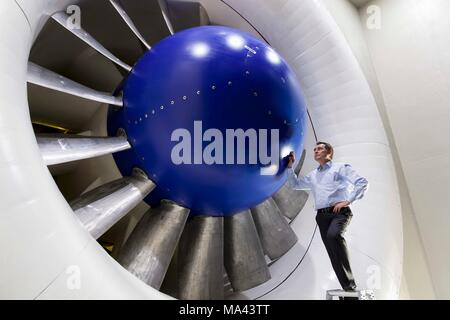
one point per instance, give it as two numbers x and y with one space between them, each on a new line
330 210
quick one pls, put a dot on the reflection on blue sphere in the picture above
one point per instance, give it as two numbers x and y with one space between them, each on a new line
189 100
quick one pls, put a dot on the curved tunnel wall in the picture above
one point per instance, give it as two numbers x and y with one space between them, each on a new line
41 239
43 244
343 112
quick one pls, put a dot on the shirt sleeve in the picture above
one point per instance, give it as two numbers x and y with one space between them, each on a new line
298 183
360 184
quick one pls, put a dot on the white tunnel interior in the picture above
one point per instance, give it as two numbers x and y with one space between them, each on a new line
44 244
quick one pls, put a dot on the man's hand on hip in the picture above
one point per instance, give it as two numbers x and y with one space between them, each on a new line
338 206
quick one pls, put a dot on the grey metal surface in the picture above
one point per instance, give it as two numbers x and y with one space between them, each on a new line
358 294
150 247
300 163
275 234
49 79
62 18
200 259
165 14
56 149
290 201
187 14
129 22
243 254
99 209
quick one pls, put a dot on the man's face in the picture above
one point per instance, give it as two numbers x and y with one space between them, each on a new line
320 153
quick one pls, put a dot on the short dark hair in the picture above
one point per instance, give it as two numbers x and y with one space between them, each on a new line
328 147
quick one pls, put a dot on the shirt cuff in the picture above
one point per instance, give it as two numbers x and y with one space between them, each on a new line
351 198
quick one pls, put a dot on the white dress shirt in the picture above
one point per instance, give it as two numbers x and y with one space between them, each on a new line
331 183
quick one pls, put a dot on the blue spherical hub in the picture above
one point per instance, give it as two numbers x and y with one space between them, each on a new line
211 112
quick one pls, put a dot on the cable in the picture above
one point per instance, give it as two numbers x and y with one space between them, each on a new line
296 267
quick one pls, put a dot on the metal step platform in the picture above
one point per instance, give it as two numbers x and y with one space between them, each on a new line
342 294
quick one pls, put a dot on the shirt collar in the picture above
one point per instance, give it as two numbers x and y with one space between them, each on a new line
325 166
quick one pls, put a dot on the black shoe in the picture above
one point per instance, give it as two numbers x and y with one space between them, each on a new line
350 289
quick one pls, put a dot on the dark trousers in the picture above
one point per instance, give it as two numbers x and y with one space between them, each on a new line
332 227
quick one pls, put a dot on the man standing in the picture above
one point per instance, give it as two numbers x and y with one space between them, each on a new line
334 186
